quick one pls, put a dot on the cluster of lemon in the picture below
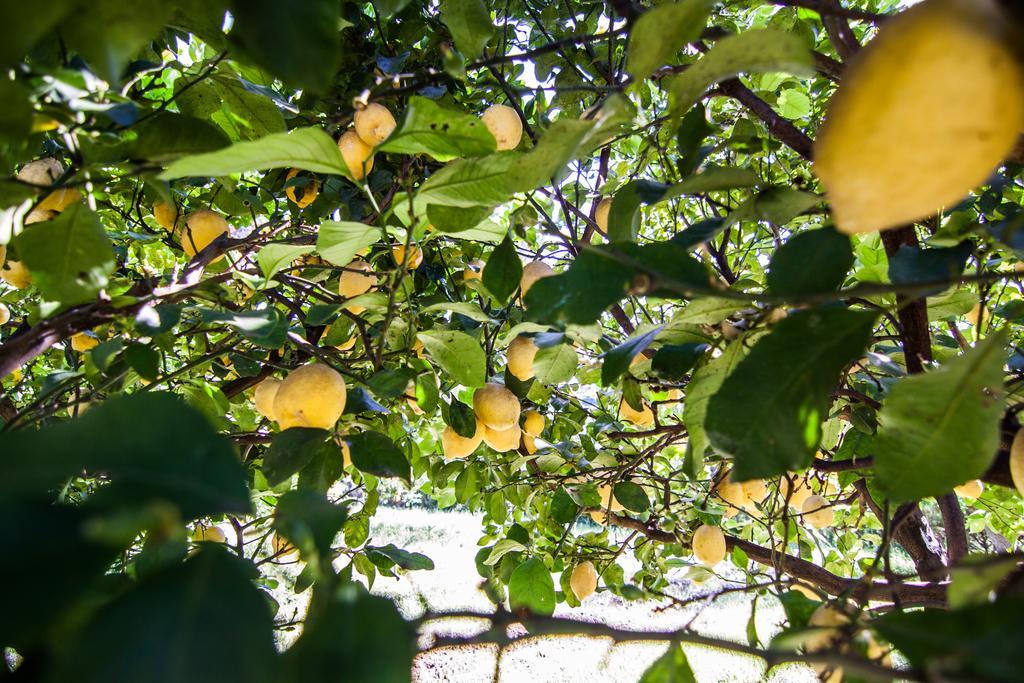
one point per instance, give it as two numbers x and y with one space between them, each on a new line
497 412
196 232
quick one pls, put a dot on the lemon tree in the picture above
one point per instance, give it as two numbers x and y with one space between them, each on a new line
729 290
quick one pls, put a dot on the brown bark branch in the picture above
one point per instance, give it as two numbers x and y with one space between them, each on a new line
778 126
908 593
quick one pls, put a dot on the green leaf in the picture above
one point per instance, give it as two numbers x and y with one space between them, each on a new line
168 135
458 354
911 265
671 667
753 51
768 412
453 219
827 249
469 309
310 149
460 417
470 24
778 205
940 429
338 241
111 32
376 454
273 257
224 99
555 364
704 384
290 451
632 496
325 468
70 257
402 558
617 360
390 382
202 621
675 360
975 643
563 508
974 579
351 637
531 588
298 42
178 457
310 521
709 310
22 26
441 133
660 33
16 115
503 548
267 327
43 584
693 130
144 360
503 271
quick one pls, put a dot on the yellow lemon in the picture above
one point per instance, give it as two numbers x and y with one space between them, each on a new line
925 113
496 406
263 397
971 489
208 534
309 191
583 580
1017 460
374 123
533 271
533 423
521 353
503 440
411 259
310 396
202 227
166 215
357 154
5 314
708 545
15 274
456 447
83 341
601 215
640 418
817 512
505 125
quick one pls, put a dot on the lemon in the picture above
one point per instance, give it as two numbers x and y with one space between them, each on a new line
505 125
601 215
474 270
15 274
817 512
503 440
263 397
310 396
83 341
202 227
732 493
925 113
978 316
800 491
583 580
529 443
283 550
828 618
533 423
608 501
346 455
357 279
357 154
374 123
708 545
521 353
410 259
971 489
533 271
496 406
456 446
640 418
755 490
208 534
5 314
45 172
39 215
309 191
1017 460
166 215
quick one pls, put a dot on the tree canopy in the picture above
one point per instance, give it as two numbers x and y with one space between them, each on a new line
731 287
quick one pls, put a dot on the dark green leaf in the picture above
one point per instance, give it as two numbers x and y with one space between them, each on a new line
791 271
376 454
461 418
178 457
202 621
144 360
660 33
768 412
70 257
671 667
458 354
531 588
167 136
503 271
979 643
617 360
632 496
470 24
692 131
290 451
297 42
941 428
310 521
911 265
675 360
428 128
267 327
351 637
111 32
402 558
24 25
389 383
563 509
